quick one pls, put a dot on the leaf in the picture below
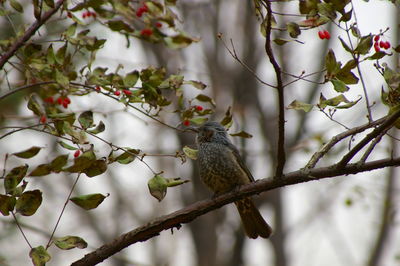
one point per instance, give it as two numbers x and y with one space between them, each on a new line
29 153
17 6
177 181
296 105
86 119
227 120
39 256
100 128
50 3
198 120
119 25
128 156
82 162
7 204
28 203
70 242
293 29
280 41
131 79
89 201
61 78
197 84
41 170
364 45
332 66
58 163
335 101
96 168
14 177
34 106
345 46
339 86
158 187
242 134
67 146
190 153
205 98
179 41
377 55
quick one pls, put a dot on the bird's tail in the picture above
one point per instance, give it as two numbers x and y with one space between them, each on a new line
253 223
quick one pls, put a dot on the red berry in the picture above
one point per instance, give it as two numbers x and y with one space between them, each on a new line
327 34
49 100
69 14
43 119
60 100
117 93
127 92
382 44
387 45
67 100
145 8
158 24
65 104
97 88
186 122
146 32
321 35
376 38
199 108
139 12
94 15
84 15
376 47
77 153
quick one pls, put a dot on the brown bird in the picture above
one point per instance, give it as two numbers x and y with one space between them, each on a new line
222 169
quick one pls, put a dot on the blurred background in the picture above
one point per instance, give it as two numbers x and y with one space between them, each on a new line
349 220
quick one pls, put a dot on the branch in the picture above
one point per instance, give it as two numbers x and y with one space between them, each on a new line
375 133
29 33
197 209
281 101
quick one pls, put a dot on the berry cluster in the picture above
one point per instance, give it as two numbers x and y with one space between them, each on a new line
142 9
380 44
88 14
77 153
64 101
43 119
186 122
324 34
158 24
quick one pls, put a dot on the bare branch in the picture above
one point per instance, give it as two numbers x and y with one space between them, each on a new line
191 212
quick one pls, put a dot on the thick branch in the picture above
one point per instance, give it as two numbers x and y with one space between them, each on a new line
197 209
28 34
281 101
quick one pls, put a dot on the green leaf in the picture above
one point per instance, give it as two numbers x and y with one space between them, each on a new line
34 106
340 102
96 168
339 86
296 105
197 84
332 66
82 162
41 170
61 78
190 153
70 242
131 79
345 46
119 25
58 163
7 204
90 201
205 98
293 29
28 203
67 146
86 119
364 45
177 181
346 16
198 120
327 10
227 120
39 256
242 134
100 128
280 41
128 156
29 153
179 41
14 177
347 77
377 55
17 6
158 187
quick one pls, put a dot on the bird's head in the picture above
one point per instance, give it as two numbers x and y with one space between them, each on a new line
211 132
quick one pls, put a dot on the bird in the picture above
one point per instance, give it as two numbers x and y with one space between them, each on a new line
222 169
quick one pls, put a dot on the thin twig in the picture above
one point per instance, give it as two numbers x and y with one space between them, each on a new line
29 33
20 229
62 211
281 157
372 146
25 87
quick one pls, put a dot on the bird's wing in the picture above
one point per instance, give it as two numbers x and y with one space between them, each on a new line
240 161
